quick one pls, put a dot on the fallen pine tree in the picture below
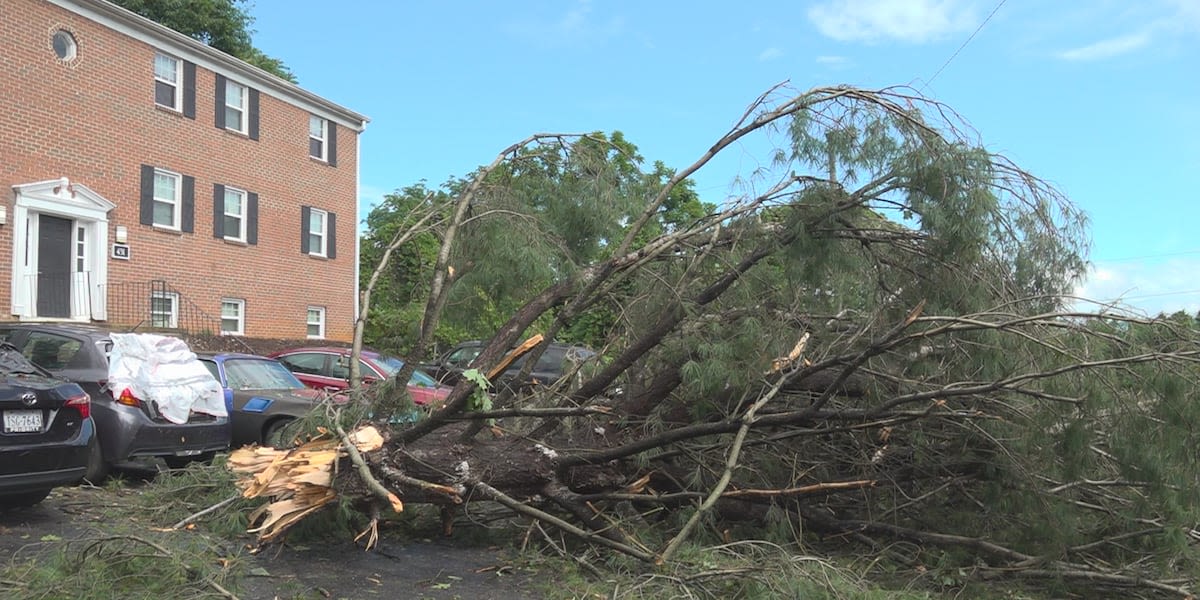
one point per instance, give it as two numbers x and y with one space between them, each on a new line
873 346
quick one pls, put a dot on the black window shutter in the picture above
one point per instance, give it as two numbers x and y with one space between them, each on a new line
331 149
252 130
331 235
220 101
251 218
305 215
187 219
189 89
218 211
146 212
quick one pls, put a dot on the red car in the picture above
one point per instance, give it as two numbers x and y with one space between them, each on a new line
329 369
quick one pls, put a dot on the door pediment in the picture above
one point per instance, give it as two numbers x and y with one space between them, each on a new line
63 197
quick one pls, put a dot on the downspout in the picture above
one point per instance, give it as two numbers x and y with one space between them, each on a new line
357 208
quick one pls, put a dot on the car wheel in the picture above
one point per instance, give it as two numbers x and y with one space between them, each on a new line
97 468
274 435
181 462
23 499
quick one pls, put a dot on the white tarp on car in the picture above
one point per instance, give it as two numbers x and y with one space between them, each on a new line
163 370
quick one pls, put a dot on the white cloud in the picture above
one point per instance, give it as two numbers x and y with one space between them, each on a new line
913 21
1107 48
1148 286
1154 22
833 61
578 25
770 54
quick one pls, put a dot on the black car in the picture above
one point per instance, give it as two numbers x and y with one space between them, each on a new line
127 426
555 361
47 432
261 394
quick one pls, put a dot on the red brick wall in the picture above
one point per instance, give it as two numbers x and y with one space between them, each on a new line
95 122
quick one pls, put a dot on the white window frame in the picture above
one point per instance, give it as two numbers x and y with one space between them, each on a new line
321 249
172 315
323 138
241 317
177 84
241 217
176 202
320 322
243 108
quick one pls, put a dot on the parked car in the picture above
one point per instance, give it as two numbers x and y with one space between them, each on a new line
554 362
127 427
329 369
47 431
261 394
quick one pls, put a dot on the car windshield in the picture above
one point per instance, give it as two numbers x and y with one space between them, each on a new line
392 365
259 374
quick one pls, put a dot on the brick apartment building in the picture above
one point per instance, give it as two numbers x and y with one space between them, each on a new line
157 181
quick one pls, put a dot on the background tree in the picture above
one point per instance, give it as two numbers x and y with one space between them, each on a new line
222 24
553 207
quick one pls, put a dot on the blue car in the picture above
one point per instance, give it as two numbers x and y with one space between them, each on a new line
261 394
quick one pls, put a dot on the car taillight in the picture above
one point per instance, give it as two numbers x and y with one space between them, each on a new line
128 399
81 403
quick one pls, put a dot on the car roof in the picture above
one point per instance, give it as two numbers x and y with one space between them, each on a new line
366 352
88 330
223 356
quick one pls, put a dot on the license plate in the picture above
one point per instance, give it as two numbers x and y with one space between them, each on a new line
188 453
22 421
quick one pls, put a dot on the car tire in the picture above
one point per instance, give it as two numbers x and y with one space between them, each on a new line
274 434
181 462
97 467
23 499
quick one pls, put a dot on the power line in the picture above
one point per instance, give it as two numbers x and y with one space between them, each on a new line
1146 256
964 45
1157 295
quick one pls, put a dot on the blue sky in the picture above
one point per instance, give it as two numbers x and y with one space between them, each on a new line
1099 97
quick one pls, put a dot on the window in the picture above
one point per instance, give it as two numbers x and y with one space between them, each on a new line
164 310
233 316
317 232
166 199
64 45
50 351
80 249
259 374
317 134
316 322
234 220
340 368
305 363
167 81
235 215
235 106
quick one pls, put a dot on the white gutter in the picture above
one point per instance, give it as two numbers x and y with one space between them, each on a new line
140 28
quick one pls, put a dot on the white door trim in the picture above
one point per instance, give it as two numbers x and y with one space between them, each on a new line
61 198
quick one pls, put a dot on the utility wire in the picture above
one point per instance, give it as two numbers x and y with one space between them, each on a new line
1146 256
964 45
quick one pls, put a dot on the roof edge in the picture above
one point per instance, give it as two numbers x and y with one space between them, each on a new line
189 45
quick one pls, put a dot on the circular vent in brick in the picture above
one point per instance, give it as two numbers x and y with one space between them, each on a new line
64 45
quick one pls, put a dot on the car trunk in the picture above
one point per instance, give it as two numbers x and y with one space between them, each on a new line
32 411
